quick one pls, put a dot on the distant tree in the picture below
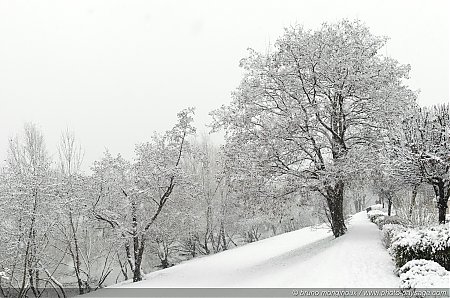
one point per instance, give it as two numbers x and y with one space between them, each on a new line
356 191
318 97
72 205
76 230
202 164
385 187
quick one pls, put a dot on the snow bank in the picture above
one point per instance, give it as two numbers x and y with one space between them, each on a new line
233 268
306 258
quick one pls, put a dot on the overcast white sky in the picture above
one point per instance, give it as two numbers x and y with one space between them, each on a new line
115 71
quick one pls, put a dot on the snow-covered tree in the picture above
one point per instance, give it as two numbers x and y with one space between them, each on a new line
27 201
132 196
424 148
90 259
316 98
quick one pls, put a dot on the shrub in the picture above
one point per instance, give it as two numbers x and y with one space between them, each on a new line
374 207
379 220
429 244
373 214
423 274
3 275
389 231
384 220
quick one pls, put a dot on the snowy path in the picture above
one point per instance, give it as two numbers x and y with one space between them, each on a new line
304 258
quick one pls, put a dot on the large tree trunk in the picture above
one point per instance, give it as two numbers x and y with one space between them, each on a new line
442 198
165 263
442 205
335 201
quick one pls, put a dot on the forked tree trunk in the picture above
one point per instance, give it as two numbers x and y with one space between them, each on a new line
135 258
335 201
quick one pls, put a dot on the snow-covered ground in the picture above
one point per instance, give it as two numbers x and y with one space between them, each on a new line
308 257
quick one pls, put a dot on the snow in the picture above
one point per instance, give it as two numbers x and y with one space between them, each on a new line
309 257
424 274
3 275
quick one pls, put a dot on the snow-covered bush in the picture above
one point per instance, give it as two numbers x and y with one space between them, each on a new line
384 220
373 214
374 207
389 231
423 274
379 220
4 279
3 275
429 244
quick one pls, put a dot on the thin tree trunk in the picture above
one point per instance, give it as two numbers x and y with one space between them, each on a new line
28 266
222 235
129 257
122 267
76 255
389 205
413 200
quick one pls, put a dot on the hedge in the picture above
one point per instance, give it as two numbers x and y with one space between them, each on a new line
429 244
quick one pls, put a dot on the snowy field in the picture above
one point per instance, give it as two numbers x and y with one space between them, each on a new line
309 257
